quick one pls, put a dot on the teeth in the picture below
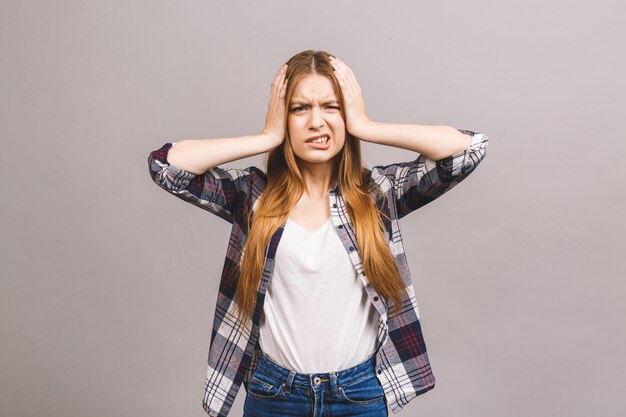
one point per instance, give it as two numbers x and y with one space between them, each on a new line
323 139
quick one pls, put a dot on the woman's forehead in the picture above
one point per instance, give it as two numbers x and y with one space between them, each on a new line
314 87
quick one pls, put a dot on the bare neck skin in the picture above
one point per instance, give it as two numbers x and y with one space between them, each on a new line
313 210
318 178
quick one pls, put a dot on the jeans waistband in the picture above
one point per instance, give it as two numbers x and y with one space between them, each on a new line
333 379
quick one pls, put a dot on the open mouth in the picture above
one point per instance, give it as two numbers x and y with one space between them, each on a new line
321 140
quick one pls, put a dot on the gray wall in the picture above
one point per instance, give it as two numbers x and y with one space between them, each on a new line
108 283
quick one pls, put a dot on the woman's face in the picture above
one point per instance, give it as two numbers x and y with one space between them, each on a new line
313 111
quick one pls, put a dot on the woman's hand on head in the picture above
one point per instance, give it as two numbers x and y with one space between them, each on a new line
275 119
352 96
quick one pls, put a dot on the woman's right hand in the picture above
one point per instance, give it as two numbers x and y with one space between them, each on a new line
275 119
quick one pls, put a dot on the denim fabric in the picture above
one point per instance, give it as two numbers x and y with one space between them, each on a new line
397 189
276 391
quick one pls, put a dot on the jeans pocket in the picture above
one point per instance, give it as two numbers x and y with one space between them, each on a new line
263 386
364 392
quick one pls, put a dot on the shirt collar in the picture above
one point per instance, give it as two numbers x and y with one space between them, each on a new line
333 185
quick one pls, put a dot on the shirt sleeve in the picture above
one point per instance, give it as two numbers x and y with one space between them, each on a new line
217 190
418 182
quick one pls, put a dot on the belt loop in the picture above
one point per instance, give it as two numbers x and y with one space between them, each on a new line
292 374
333 384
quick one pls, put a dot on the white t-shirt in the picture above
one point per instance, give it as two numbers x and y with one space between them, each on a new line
317 316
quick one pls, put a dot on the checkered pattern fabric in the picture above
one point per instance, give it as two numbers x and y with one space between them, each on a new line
402 363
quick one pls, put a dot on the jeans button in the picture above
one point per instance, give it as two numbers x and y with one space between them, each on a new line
317 380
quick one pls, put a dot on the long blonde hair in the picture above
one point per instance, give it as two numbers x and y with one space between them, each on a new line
285 185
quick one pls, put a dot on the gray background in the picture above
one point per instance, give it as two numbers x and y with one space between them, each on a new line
108 283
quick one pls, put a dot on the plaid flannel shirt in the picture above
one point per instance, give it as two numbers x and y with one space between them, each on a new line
402 363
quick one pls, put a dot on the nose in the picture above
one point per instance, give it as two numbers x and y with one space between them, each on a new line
316 121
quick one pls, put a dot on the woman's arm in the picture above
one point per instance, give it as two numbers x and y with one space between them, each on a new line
415 183
216 190
434 142
189 168
199 155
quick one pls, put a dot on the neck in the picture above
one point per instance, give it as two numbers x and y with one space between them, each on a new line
318 178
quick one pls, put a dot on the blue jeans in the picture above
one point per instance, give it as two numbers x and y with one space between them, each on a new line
276 391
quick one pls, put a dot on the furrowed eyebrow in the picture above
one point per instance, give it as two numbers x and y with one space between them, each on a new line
300 101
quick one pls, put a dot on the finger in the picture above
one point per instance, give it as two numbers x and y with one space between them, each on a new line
347 80
280 70
283 83
341 66
283 90
346 84
277 84
278 75
346 67
348 76
278 78
340 70
340 78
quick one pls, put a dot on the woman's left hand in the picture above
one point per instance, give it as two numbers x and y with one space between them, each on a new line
353 98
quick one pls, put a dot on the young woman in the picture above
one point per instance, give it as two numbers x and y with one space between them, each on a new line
326 322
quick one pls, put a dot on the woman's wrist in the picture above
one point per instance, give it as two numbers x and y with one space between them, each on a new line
271 140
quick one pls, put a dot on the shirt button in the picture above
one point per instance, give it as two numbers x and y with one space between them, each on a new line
351 248
375 298
340 226
380 371
334 205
